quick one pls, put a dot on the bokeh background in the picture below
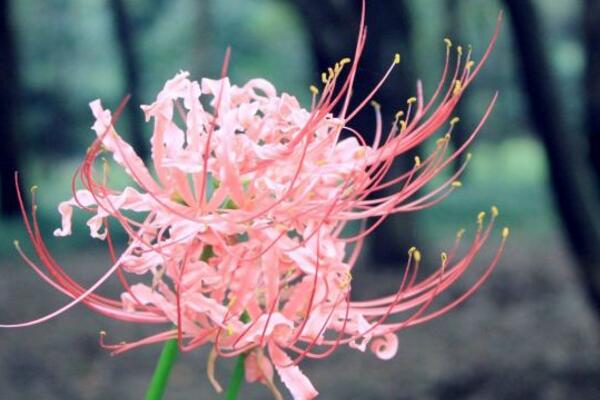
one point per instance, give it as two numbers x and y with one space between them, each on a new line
530 333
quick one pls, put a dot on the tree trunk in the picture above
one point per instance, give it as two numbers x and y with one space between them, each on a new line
131 65
9 106
592 83
569 174
332 28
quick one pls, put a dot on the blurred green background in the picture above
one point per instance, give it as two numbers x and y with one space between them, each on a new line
537 159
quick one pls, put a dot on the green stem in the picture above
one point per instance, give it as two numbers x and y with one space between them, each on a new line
235 382
157 386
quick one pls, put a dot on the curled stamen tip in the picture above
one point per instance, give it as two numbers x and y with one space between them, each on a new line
34 188
345 60
470 64
480 217
460 233
102 333
314 89
417 161
448 42
417 256
411 100
375 104
16 243
412 250
324 77
444 257
457 87
454 121
456 184
505 232
399 114
397 58
469 156
495 211
459 50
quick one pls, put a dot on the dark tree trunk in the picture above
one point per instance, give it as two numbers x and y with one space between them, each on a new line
332 27
9 106
569 173
592 81
131 65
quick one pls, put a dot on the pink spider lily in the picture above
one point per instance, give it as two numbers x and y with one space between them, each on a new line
239 228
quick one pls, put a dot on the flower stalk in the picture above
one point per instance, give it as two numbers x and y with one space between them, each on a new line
235 382
158 384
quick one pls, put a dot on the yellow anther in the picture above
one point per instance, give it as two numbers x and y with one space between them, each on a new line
495 211
444 258
16 243
469 156
102 333
459 50
470 64
403 124
229 330
417 161
460 233
345 60
399 114
447 136
281 228
331 73
448 42
505 232
360 153
480 217
412 250
457 87
314 90
411 100
417 256
456 184
454 121
324 77
375 104
397 58
34 188
337 68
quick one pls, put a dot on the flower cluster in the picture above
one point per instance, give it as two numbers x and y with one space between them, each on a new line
238 230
